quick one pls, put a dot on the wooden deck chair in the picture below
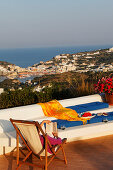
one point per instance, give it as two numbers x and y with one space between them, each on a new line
28 131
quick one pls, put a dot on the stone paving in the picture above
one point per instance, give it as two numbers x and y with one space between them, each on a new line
91 154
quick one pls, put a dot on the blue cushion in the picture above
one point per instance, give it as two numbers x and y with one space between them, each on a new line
83 108
96 119
110 116
89 106
102 118
66 123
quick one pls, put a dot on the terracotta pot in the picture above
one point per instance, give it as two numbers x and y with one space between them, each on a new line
109 98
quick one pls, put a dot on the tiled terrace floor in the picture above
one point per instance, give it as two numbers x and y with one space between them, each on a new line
94 154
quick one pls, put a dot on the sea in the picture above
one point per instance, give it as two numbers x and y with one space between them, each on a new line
25 57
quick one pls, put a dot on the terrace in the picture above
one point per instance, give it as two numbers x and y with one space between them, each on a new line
83 141
94 154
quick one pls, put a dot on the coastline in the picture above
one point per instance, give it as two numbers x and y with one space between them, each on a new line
25 57
77 62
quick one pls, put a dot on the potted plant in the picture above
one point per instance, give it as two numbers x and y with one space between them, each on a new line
105 85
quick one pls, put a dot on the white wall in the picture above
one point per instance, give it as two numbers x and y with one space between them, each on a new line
34 112
81 100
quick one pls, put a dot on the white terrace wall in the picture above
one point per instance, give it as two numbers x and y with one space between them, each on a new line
82 100
34 112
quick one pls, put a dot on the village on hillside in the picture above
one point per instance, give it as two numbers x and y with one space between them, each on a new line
100 60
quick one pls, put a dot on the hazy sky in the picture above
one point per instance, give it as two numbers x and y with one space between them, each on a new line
41 23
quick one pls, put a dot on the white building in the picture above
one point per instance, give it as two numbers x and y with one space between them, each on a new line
111 49
96 53
1 90
57 57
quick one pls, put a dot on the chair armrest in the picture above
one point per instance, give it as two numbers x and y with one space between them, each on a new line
64 140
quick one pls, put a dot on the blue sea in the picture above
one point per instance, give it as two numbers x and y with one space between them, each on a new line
28 56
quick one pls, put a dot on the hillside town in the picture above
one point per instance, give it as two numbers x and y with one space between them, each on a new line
79 62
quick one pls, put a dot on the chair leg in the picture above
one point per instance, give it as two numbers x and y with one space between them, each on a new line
45 152
17 136
22 162
17 168
65 160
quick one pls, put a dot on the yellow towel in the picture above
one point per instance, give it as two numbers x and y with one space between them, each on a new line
55 109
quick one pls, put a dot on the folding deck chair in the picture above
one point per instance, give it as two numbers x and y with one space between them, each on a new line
28 131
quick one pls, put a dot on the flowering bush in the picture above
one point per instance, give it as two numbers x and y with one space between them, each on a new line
104 85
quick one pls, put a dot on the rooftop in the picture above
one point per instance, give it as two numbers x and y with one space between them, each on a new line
94 154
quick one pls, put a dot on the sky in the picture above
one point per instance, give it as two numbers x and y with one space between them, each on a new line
47 23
